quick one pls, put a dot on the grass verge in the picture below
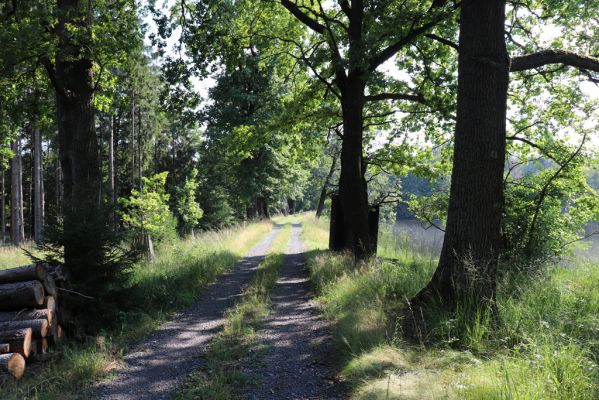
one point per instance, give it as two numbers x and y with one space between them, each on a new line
229 354
547 346
173 281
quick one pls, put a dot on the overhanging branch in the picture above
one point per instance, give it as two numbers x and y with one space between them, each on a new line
303 17
546 57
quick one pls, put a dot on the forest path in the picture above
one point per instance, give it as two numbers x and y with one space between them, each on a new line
298 363
164 359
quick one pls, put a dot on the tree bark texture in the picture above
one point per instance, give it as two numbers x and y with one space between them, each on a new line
19 340
26 273
466 273
38 187
337 225
19 295
72 77
325 187
17 223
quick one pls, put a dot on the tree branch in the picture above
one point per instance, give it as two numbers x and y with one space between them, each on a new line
391 50
396 96
545 57
303 17
442 40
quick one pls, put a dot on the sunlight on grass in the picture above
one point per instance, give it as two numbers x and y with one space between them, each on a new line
182 269
12 256
547 345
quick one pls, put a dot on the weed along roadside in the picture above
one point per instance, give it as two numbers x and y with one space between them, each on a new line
545 348
179 275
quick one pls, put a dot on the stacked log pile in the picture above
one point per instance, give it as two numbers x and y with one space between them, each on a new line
29 316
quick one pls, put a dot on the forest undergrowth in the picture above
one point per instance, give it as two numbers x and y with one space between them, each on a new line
181 270
546 345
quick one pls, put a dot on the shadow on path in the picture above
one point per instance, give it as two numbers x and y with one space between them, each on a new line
299 360
165 358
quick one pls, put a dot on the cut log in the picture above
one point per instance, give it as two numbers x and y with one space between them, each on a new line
13 363
19 341
8 316
33 272
33 348
48 304
39 327
42 346
49 285
19 295
57 335
4 348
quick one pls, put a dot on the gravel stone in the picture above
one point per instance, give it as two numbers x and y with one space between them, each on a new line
299 355
164 359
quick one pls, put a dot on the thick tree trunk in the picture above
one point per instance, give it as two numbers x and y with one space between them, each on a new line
291 205
78 145
325 187
251 211
337 225
17 223
466 274
352 185
262 207
38 187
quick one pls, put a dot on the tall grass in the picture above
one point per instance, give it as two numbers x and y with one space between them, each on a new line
12 256
546 345
173 281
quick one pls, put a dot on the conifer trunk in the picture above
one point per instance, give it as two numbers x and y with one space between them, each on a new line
3 205
38 187
78 144
17 225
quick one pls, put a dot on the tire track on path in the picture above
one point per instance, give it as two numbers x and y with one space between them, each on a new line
299 359
165 358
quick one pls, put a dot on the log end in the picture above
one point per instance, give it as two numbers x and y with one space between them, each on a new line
14 364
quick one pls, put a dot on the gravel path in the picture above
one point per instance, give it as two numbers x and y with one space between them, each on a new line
298 363
155 367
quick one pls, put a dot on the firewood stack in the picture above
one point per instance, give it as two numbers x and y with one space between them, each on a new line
29 320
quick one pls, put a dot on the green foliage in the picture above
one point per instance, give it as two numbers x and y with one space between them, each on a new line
99 270
147 211
188 209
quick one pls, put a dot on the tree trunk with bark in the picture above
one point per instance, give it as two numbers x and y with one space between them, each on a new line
17 223
3 205
325 187
466 273
38 187
72 77
111 185
352 185
262 207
